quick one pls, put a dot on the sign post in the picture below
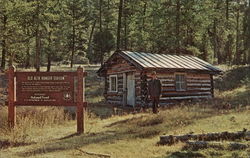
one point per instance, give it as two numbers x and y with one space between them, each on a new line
46 89
80 111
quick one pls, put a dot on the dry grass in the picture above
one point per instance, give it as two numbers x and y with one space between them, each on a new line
126 136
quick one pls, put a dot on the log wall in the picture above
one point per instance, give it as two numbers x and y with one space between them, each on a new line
197 86
138 88
118 67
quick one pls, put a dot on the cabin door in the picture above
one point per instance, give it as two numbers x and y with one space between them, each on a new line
131 89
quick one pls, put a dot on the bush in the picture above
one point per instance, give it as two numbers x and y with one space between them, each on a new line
81 60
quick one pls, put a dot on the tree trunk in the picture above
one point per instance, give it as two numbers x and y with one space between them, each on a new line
229 49
49 53
108 22
100 15
4 47
177 26
144 14
125 14
73 39
38 39
49 62
11 58
118 41
227 10
100 22
215 40
237 52
38 50
90 39
3 54
27 61
204 47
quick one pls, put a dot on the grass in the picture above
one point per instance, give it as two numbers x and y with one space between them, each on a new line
48 132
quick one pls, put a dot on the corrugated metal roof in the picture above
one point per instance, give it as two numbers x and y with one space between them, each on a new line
149 60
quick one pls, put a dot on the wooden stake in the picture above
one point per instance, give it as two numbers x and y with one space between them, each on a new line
11 97
80 109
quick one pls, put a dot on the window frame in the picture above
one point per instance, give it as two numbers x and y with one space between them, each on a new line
184 82
110 83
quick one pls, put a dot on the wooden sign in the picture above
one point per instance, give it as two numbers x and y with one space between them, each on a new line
47 89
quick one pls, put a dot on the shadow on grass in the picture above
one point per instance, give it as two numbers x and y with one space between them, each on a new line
72 143
122 121
6 144
185 154
69 136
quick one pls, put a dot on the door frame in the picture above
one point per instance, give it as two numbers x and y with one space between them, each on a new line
127 89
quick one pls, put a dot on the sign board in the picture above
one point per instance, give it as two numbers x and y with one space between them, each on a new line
47 89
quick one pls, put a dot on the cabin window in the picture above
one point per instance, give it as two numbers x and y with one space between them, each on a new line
113 86
180 80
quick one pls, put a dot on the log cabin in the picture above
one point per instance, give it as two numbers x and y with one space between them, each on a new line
182 76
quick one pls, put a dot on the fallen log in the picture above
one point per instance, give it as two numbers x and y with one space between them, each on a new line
196 145
171 139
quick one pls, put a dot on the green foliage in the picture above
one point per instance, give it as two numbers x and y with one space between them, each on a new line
216 31
195 51
102 48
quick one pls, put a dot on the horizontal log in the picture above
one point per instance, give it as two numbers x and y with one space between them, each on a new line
120 85
187 92
114 98
164 75
168 85
196 145
110 71
167 80
137 81
117 72
113 94
198 84
120 90
170 139
166 94
185 97
120 65
198 89
114 102
168 89
198 80
198 77
138 84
